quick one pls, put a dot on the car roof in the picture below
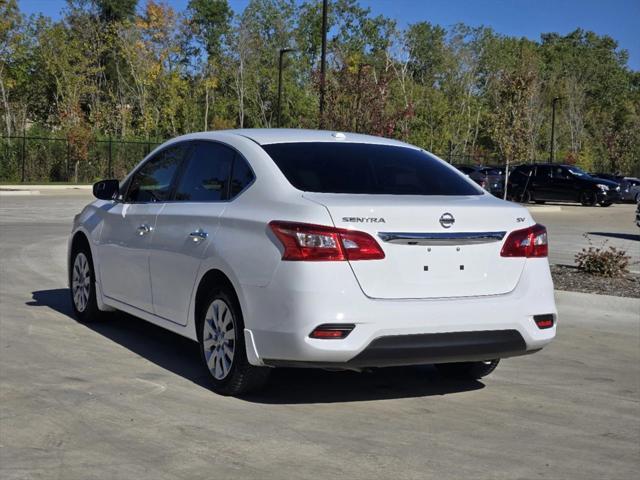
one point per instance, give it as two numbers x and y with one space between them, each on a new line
268 136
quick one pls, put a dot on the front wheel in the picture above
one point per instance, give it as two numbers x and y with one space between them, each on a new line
222 346
82 283
605 204
470 370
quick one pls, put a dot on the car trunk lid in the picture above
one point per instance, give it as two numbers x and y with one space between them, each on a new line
435 246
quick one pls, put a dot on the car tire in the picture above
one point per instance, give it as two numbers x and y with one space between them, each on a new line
82 286
588 199
605 204
222 347
469 370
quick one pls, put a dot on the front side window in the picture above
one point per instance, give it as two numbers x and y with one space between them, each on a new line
578 172
359 168
206 177
153 182
561 173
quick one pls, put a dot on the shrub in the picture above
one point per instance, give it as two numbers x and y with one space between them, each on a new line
601 261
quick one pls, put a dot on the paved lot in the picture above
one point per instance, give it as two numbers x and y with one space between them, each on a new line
127 400
614 225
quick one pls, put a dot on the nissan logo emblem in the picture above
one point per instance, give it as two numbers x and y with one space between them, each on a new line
446 220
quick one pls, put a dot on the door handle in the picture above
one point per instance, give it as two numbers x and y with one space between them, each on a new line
198 236
144 229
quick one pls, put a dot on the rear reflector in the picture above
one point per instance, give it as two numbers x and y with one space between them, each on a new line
544 321
334 331
528 242
306 242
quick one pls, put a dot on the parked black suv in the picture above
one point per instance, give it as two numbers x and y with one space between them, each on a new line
542 182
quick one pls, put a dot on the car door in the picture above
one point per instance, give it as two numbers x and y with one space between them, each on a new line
187 226
129 226
564 185
542 183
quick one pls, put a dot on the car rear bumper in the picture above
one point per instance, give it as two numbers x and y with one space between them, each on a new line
427 348
280 317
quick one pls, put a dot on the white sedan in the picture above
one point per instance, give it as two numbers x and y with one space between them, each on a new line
315 249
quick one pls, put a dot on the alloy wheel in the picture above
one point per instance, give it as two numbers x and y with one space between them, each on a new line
219 338
81 282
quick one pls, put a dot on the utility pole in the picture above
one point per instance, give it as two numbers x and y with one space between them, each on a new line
323 60
553 128
282 52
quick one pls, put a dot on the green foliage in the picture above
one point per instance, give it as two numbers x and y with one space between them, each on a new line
123 69
209 21
601 261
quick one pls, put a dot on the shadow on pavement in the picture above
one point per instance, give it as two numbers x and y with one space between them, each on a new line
622 236
287 385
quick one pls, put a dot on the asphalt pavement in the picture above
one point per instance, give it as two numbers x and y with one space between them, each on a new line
126 400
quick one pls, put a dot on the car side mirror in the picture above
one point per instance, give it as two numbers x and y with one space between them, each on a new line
106 189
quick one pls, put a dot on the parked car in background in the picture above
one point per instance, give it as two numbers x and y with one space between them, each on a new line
489 178
630 189
608 176
544 182
299 248
638 214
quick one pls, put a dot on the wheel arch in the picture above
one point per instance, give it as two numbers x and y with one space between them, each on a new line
78 240
213 278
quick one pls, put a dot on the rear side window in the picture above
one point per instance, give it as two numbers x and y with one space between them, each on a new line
154 180
366 169
525 170
206 177
543 171
242 176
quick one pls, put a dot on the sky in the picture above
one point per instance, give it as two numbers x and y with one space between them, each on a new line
619 19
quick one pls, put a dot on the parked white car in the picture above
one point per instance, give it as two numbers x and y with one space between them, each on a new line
316 249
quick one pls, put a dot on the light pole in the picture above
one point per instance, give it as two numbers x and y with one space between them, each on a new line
323 60
282 52
553 128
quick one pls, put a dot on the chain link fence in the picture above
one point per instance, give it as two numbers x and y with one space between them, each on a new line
46 159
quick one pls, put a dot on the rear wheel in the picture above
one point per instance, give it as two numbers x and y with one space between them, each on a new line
82 283
588 199
222 346
605 204
473 370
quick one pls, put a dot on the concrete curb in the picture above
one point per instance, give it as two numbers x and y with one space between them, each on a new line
18 193
585 301
44 187
544 208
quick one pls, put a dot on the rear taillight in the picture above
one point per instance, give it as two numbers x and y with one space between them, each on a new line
302 241
528 242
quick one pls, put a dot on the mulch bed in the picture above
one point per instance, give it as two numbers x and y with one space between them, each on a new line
575 280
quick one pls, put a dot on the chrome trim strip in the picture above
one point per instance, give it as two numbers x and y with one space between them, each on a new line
441 238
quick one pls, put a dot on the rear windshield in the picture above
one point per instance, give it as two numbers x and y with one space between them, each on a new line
366 169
